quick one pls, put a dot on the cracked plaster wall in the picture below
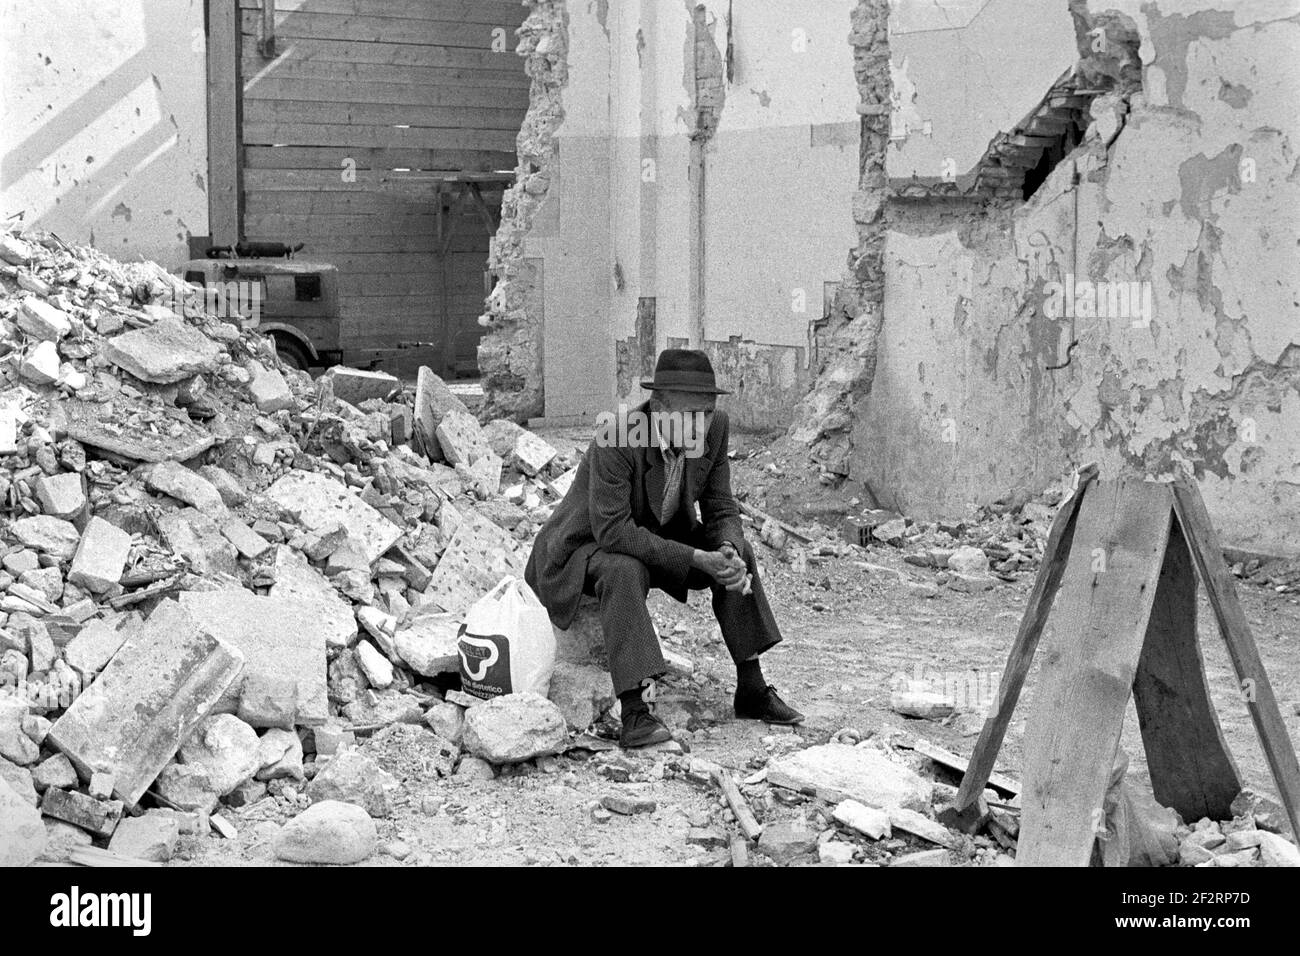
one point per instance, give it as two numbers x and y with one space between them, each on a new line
104 115
1199 196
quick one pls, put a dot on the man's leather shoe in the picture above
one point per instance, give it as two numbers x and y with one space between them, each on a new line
643 729
766 706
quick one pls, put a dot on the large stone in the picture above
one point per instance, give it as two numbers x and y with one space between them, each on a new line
922 704
461 439
47 534
433 401
94 646
268 389
501 434
280 638
247 542
428 644
296 579
161 684
918 824
226 748
150 837
55 771
279 753
40 365
196 537
786 841
478 556
266 701
377 668
227 485
968 560
22 835
515 727
163 353
19 780
62 495
61 839
99 817
320 502
354 385
327 832
447 720
188 787
531 454
100 556
869 821
15 745
174 479
836 772
583 692
355 777
42 320
1277 850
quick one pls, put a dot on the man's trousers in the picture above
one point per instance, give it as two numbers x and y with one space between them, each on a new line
622 583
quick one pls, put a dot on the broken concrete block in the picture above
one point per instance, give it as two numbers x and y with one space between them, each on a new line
227 485
501 434
159 686
47 535
485 475
461 439
56 771
42 320
268 389
1277 850
280 754
100 556
429 644
188 787
61 496
835 853
355 777
101 785
174 479
267 701
917 824
15 744
17 562
278 637
163 353
98 817
247 542
41 364
868 821
226 748
296 579
14 250
923 858
47 581
583 692
22 834
433 401
836 772
354 385
532 454
477 557
19 780
150 837
515 727
445 719
196 537
786 841
562 484
327 832
922 704
377 668
321 502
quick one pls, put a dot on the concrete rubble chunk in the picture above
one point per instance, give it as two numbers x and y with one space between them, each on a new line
226 748
246 541
868 821
228 486
433 401
280 754
161 684
583 692
924 858
174 479
55 771
61 496
279 638
22 834
501 434
42 320
329 832
321 502
153 836
478 556
41 364
296 579
1277 850
922 704
98 817
100 556
531 454
355 777
786 841
269 391
377 668
918 824
428 644
354 385
188 787
163 353
15 745
968 560
195 536
14 250
19 780
447 720
268 701
461 439
836 772
47 535
515 727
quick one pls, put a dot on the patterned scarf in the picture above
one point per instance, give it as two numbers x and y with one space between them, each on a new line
676 462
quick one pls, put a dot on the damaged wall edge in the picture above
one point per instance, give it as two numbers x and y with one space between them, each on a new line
510 355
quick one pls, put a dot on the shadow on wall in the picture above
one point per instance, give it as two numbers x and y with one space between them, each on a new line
118 159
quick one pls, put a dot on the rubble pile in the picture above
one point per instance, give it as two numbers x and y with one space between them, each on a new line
218 574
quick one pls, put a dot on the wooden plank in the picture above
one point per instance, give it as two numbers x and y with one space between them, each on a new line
1207 554
223 124
371 29
303 65
341 135
1190 765
504 12
386 54
739 806
350 92
261 111
1086 677
327 158
959 764
1055 554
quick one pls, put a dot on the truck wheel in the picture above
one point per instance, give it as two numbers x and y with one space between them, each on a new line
291 353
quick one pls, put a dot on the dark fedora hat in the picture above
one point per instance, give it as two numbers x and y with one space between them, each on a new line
684 370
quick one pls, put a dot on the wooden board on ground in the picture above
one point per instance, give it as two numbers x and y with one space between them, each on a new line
1190 766
1088 668
958 764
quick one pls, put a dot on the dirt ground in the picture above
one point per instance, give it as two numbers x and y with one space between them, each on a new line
848 630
